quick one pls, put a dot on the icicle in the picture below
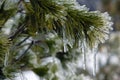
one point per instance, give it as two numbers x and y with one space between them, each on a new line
94 66
94 51
84 55
84 65
6 59
64 40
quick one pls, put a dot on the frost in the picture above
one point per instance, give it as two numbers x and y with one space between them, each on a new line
83 7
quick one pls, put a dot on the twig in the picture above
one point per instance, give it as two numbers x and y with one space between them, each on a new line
22 41
18 31
25 52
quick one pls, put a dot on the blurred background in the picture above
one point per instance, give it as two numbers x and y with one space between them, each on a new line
108 56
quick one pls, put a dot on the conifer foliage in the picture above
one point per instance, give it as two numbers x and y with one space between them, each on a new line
46 34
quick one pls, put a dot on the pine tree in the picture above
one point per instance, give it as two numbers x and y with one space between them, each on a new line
48 36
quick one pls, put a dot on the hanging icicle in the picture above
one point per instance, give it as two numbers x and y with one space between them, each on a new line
84 54
6 58
94 51
64 40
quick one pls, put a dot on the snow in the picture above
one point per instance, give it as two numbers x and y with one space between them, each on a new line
27 75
